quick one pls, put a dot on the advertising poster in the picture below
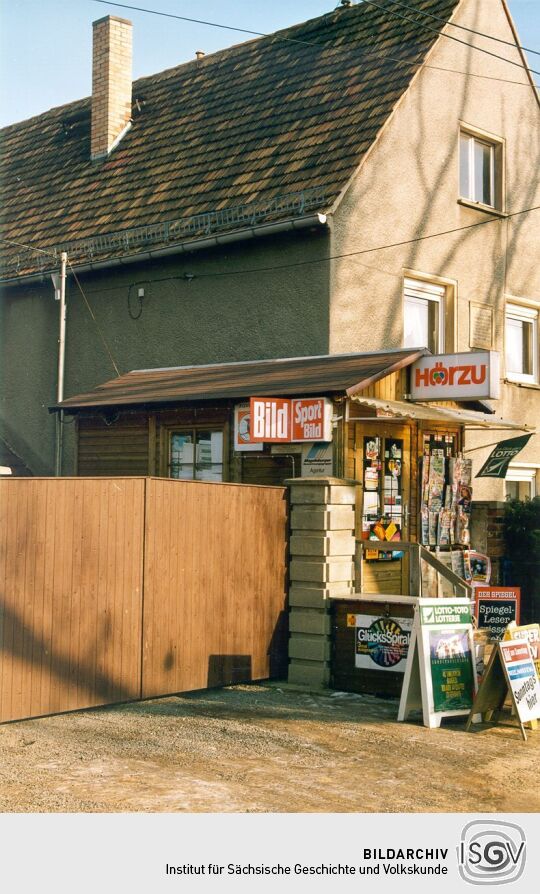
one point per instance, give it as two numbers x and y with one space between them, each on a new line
531 634
382 643
451 670
317 459
495 608
242 436
522 678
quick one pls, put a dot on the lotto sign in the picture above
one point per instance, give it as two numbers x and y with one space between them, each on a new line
440 672
280 420
521 674
473 375
382 643
496 465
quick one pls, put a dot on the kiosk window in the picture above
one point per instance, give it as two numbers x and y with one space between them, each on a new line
196 454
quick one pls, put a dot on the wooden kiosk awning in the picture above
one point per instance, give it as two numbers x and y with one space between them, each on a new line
401 409
329 373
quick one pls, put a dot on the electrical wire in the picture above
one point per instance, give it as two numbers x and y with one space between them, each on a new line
363 251
42 251
92 314
440 33
431 15
321 46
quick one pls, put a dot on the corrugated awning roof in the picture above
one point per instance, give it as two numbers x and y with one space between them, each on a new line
403 410
258 378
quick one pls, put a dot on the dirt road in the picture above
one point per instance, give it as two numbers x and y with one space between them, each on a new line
258 749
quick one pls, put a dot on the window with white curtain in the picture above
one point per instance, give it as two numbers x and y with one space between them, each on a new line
423 315
521 343
520 482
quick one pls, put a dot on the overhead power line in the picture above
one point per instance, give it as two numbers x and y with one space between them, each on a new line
363 251
398 15
92 314
42 251
508 43
320 46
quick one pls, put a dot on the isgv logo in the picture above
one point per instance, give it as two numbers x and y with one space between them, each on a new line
491 852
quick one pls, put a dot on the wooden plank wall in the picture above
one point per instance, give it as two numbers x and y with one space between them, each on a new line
118 448
70 588
78 582
214 603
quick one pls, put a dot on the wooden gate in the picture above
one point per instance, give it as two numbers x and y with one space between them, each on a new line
124 588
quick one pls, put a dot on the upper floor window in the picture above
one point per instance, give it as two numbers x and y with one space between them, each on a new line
480 170
521 343
424 315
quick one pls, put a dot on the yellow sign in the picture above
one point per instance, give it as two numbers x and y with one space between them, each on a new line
351 620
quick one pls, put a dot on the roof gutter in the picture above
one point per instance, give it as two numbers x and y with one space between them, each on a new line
313 220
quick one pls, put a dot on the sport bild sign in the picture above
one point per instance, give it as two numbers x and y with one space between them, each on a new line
280 420
473 375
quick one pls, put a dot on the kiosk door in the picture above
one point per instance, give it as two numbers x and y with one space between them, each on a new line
383 466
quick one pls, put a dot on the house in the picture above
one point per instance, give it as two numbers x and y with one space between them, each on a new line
350 193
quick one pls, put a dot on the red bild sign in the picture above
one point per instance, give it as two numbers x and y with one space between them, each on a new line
279 420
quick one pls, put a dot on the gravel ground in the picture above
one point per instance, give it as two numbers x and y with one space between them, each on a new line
262 748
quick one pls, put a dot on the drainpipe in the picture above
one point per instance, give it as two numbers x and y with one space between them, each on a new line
61 363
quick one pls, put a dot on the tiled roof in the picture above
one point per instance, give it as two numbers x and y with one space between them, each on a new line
247 125
293 375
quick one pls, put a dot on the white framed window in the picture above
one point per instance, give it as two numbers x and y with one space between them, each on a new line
521 343
423 315
480 170
520 482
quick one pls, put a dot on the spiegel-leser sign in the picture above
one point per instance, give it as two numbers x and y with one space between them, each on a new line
473 375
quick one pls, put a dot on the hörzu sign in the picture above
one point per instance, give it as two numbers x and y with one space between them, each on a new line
472 375
283 420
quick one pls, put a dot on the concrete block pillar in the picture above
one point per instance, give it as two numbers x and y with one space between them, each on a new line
322 548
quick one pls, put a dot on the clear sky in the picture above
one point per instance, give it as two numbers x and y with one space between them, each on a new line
45 45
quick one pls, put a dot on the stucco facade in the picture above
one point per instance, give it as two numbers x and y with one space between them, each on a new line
206 318
281 296
408 187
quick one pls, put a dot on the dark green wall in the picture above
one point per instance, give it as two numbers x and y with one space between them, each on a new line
211 318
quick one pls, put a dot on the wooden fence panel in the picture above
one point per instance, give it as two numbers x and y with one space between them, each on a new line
71 593
215 571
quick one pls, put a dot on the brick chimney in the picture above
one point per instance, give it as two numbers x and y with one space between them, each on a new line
111 84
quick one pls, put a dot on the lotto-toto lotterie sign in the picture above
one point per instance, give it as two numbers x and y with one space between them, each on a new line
382 644
522 678
447 613
450 656
279 420
467 376
495 608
